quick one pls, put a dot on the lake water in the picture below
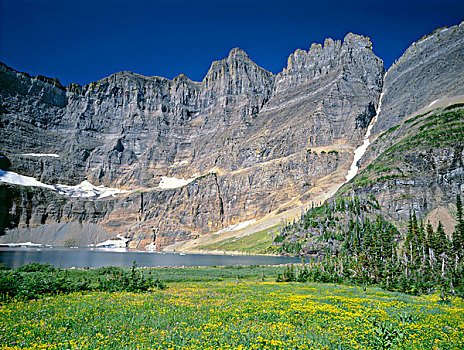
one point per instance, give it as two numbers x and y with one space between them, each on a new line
93 257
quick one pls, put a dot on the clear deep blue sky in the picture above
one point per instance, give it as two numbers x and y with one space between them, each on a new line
85 40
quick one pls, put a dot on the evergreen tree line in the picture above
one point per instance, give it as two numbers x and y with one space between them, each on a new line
373 252
324 228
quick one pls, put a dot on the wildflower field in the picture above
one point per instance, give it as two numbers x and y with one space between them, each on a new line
234 315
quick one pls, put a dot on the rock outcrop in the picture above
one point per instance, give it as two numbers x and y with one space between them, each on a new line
416 161
431 70
251 140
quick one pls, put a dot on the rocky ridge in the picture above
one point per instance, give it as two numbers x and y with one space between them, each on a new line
415 160
425 83
242 133
250 141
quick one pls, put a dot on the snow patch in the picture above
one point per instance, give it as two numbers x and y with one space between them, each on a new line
41 155
431 104
120 242
25 244
16 179
237 227
359 152
183 162
151 247
86 190
173 182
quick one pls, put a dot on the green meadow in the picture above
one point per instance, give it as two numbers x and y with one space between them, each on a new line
230 308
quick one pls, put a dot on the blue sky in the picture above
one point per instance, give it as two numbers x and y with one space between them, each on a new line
85 40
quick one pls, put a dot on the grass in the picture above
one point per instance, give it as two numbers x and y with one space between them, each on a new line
430 131
252 244
164 274
201 274
231 315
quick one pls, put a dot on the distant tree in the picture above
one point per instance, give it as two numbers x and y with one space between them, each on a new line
429 236
413 238
458 235
441 241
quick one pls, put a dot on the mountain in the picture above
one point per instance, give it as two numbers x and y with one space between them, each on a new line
416 159
185 159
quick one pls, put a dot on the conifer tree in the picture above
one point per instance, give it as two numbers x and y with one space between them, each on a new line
412 243
458 235
442 242
429 242
429 235
421 234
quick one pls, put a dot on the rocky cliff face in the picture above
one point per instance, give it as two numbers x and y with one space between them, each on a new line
416 161
422 168
251 140
430 71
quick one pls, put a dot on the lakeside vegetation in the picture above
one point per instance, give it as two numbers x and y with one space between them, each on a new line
35 280
361 247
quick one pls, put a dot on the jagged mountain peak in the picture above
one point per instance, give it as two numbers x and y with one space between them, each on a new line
182 78
276 140
237 52
358 41
317 50
351 58
236 58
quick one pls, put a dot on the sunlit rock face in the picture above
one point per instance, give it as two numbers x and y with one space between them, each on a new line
243 140
425 176
430 70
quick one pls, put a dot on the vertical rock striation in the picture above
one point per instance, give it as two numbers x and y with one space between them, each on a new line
252 140
416 160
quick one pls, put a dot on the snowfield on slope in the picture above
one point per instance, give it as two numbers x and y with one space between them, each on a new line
173 182
83 190
54 155
237 227
16 179
86 190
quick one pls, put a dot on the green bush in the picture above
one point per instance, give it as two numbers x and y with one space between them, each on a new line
109 270
32 285
134 281
10 282
36 267
4 267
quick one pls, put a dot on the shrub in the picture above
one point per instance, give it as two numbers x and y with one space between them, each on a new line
33 285
4 267
133 281
36 267
109 270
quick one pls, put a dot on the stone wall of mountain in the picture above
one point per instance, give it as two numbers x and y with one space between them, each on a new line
421 169
421 89
244 133
431 69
